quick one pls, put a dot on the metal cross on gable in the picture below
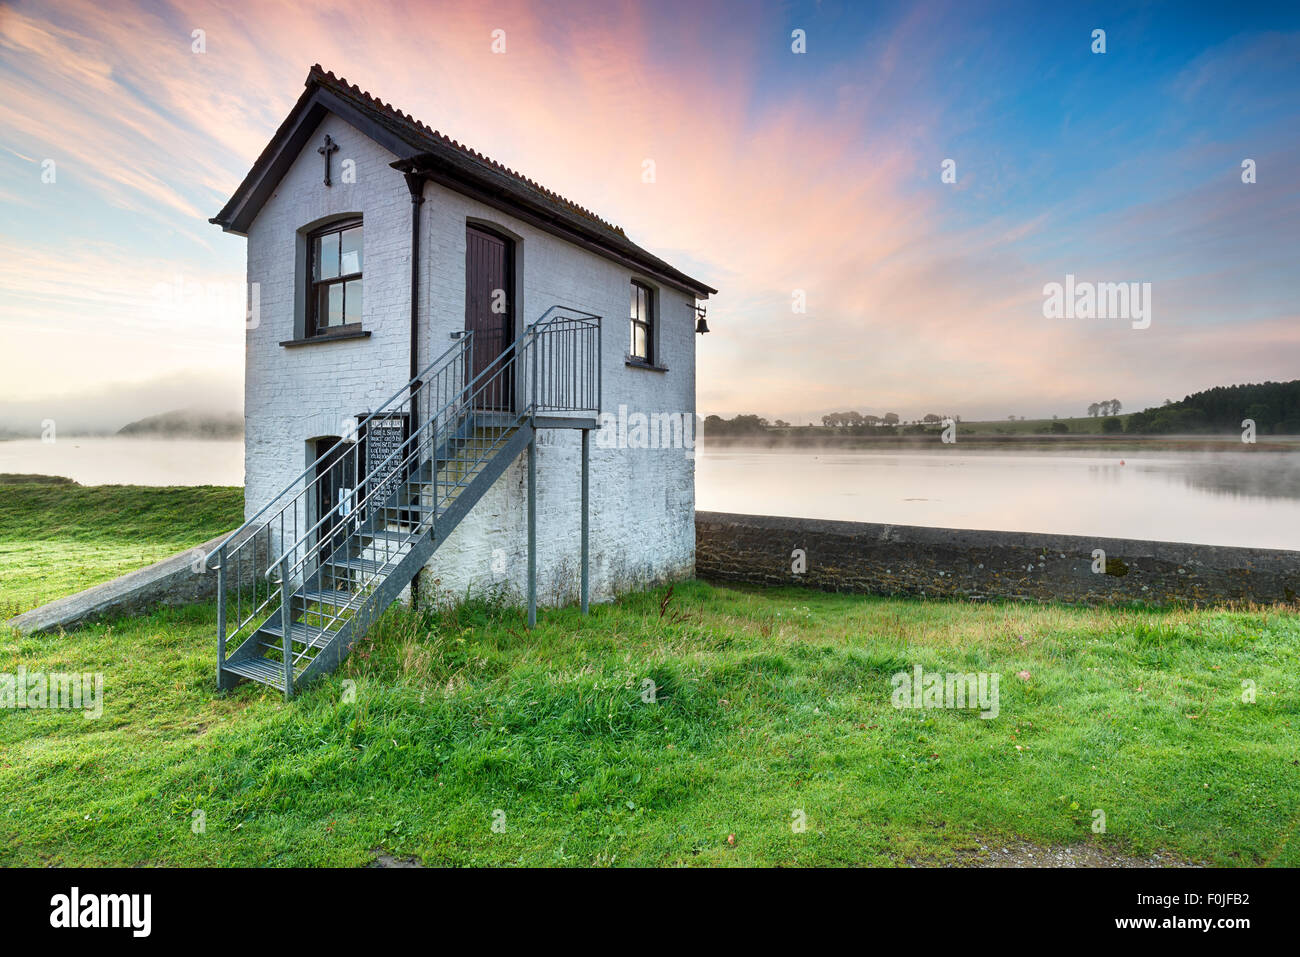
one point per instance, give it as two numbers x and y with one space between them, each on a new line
325 151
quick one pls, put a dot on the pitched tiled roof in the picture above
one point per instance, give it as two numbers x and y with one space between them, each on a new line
432 150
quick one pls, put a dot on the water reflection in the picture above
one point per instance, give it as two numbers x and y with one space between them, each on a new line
1246 498
1220 498
1248 475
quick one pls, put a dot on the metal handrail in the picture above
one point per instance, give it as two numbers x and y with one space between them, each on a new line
569 358
563 347
384 408
438 375
465 390
421 526
543 318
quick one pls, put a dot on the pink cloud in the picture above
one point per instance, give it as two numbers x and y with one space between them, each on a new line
811 190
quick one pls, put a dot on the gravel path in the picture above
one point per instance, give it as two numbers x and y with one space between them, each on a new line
1024 854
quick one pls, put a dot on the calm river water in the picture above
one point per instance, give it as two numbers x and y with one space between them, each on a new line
128 461
1245 497
1220 498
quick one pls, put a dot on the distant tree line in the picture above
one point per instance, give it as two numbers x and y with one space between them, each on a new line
849 423
1274 406
740 425
856 420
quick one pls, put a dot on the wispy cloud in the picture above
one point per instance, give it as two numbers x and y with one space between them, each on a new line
774 173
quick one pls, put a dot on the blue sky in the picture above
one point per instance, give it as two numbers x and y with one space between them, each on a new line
777 172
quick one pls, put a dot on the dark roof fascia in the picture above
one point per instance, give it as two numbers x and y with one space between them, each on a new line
489 194
270 167
446 165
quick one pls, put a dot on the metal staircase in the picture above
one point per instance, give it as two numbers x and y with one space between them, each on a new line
345 537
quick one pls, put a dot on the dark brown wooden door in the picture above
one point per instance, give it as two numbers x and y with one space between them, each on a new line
490 311
333 497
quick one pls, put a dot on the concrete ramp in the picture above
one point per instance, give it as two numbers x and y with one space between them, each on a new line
179 580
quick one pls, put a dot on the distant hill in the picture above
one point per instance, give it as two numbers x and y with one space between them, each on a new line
20 478
187 424
1275 407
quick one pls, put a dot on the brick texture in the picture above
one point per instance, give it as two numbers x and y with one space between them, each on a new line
642 500
957 563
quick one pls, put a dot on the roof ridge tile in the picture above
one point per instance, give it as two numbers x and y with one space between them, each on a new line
318 77
319 73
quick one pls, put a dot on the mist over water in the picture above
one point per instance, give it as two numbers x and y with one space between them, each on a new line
121 461
1249 498
105 409
1246 498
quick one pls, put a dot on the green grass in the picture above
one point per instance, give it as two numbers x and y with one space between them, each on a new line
769 702
58 539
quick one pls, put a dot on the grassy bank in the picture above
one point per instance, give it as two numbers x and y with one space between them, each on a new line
769 704
770 707
56 539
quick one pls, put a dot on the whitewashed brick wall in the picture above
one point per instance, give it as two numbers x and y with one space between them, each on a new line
642 500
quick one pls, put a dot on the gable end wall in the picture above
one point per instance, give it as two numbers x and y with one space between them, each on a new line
642 500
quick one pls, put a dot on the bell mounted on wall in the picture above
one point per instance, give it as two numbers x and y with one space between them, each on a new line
701 326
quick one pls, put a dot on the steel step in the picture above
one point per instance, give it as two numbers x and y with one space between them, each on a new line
350 572
409 507
382 550
421 508
403 529
368 565
258 669
303 634
328 596
395 538
445 474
